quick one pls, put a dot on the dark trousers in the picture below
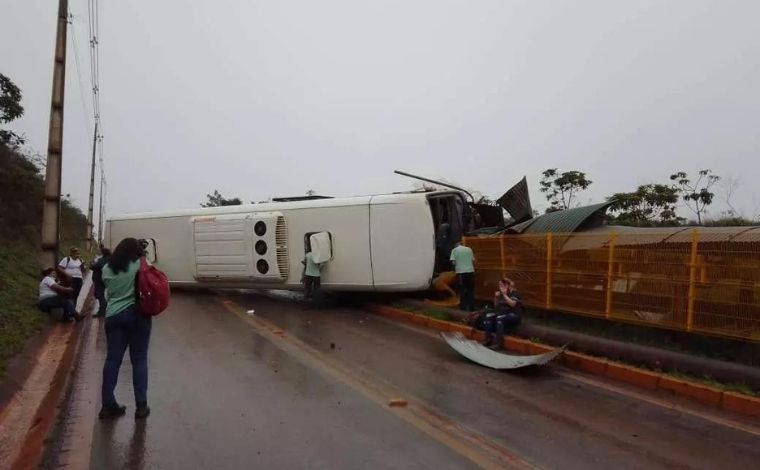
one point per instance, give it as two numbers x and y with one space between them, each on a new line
467 291
129 328
100 294
313 289
76 284
495 325
49 303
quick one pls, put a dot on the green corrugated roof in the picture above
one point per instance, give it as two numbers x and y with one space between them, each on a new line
566 221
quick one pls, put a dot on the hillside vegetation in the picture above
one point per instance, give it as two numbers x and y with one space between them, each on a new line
21 189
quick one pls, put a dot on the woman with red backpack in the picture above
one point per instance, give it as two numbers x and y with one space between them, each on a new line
126 327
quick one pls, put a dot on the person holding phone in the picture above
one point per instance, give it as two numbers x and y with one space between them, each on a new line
508 304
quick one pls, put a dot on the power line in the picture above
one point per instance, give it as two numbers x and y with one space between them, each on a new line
94 27
93 16
77 62
103 192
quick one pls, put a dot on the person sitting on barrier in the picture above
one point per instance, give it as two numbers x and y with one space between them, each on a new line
509 306
53 295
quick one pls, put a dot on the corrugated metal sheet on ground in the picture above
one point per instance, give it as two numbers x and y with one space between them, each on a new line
478 353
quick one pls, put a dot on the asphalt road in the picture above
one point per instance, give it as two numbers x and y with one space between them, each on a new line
287 387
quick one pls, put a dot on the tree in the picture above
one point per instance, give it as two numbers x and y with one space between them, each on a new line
216 200
650 204
697 196
10 109
310 192
562 188
729 186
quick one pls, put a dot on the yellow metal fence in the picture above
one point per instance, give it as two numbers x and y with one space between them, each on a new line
702 282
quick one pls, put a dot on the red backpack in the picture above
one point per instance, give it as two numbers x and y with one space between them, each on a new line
152 288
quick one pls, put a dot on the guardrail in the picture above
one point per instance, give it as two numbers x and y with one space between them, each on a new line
705 282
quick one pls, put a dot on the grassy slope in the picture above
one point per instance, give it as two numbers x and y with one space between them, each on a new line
19 318
20 216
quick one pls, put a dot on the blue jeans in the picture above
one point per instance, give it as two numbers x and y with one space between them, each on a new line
126 328
495 325
100 294
49 303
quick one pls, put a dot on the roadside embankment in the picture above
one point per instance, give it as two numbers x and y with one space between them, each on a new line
21 190
31 399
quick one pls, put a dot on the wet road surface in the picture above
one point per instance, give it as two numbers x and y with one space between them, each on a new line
294 388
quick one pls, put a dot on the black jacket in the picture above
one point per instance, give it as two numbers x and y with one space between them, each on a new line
97 272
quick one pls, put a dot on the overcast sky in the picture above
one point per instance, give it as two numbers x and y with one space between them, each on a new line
271 98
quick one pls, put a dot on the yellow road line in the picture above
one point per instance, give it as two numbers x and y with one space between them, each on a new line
466 442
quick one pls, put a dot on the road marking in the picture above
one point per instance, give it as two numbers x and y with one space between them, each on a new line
466 442
622 390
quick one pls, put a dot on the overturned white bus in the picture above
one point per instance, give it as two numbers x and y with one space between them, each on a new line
390 242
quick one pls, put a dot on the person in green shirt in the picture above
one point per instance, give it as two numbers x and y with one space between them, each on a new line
312 278
125 327
463 260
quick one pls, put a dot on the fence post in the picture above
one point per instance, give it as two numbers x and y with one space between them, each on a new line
549 256
503 256
692 280
610 274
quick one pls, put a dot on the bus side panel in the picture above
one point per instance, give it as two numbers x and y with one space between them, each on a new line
403 245
348 226
174 243
106 236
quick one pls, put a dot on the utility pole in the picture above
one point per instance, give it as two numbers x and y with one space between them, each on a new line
90 225
100 209
51 207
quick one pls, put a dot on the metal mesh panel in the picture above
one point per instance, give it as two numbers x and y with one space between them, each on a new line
702 281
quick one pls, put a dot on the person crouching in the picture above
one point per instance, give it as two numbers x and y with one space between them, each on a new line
53 295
